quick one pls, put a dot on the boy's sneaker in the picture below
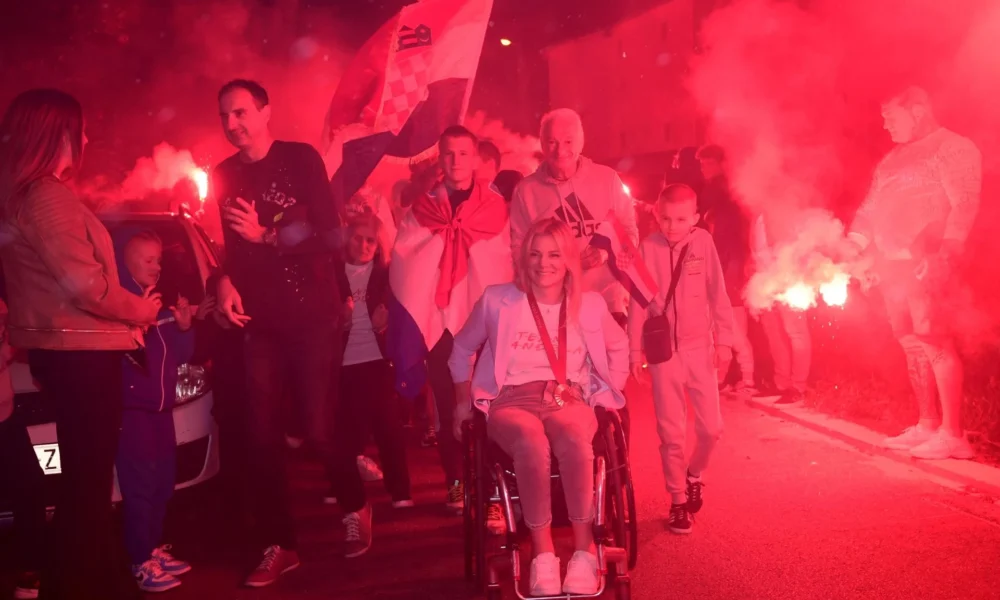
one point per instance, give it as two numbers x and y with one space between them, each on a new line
276 563
150 577
544 578
679 520
26 587
359 532
944 445
456 496
430 438
168 563
789 397
910 438
495 523
369 469
405 503
694 502
581 574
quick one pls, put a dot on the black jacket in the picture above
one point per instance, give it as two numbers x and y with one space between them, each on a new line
377 295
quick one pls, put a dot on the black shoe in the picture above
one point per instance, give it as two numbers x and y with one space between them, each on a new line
679 520
767 390
790 397
694 494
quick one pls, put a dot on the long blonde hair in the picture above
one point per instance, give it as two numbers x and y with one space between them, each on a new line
563 236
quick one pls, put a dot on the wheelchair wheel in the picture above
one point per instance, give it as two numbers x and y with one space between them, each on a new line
481 484
621 514
468 516
623 589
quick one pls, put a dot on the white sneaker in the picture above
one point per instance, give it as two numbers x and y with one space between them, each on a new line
545 575
910 438
369 469
581 574
943 445
403 503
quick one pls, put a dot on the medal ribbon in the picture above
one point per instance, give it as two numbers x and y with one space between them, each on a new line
557 362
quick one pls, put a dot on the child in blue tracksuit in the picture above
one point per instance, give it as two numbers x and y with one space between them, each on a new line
146 461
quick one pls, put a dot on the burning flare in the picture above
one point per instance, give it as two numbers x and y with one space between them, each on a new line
200 179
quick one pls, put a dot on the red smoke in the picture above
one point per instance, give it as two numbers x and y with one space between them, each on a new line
793 95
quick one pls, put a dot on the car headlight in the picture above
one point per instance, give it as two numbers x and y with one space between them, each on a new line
191 382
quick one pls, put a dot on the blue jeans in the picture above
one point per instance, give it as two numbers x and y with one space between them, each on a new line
302 366
147 470
527 425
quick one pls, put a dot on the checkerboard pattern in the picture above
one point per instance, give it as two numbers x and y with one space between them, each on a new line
405 87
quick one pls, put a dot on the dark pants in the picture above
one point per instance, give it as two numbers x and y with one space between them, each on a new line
84 388
443 387
305 364
229 383
368 405
22 480
147 470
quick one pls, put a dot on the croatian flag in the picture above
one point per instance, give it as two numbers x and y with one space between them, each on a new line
624 260
441 264
409 82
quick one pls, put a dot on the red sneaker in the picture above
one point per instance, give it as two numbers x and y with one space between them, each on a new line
276 563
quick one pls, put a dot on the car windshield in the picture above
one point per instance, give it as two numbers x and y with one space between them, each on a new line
180 275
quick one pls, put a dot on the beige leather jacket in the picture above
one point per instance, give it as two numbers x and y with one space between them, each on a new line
62 280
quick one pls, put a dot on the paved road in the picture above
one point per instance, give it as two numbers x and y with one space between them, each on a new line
788 514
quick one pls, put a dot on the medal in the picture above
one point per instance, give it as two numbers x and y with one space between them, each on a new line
563 392
558 394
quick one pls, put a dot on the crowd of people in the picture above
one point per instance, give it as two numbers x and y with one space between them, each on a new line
492 295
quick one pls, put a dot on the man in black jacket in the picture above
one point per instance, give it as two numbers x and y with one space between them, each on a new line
280 231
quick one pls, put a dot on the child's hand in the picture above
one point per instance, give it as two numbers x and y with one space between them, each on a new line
380 318
205 308
592 257
183 313
637 369
723 356
654 308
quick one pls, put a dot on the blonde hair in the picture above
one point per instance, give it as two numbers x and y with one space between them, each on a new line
367 219
566 242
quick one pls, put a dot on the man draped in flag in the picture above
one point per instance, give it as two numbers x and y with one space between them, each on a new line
591 199
453 243
407 84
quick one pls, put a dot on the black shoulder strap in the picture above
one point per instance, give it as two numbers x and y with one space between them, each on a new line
674 276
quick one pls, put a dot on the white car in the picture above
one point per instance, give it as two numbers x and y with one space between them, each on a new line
189 257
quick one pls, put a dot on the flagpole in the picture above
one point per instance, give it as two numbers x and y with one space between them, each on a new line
472 82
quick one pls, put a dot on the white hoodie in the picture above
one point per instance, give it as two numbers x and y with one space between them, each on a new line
584 201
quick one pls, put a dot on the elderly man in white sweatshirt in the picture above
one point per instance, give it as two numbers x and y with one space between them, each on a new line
580 192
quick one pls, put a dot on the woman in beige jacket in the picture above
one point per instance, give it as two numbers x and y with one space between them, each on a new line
69 311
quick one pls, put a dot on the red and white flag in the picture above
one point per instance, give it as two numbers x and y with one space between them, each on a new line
407 84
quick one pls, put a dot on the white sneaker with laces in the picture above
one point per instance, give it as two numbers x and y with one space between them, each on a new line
369 469
544 579
910 438
581 574
944 445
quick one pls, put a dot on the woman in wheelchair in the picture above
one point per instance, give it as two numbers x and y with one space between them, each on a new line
549 355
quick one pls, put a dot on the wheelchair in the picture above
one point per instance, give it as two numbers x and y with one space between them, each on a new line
489 478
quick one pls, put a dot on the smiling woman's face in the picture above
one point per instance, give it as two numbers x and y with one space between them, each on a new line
546 263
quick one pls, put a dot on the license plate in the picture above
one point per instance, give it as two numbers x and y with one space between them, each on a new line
48 458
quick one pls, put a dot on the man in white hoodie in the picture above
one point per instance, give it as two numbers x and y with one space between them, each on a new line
581 193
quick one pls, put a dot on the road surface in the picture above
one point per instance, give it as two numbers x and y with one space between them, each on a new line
788 513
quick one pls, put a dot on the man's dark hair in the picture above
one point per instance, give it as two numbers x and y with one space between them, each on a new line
455 132
488 151
256 90
711 152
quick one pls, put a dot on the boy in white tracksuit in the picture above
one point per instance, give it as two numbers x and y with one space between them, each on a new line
701 338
